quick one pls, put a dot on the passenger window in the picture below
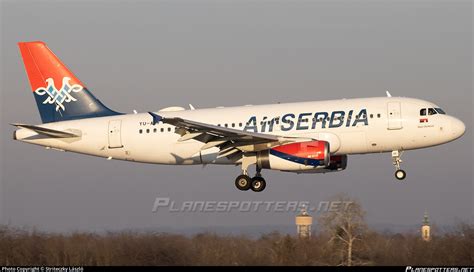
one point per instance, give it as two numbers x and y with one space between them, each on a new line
147 130
140 131
169 129
162 129
431 111
423 112
378 115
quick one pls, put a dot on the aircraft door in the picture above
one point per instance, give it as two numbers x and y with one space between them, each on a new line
115 135
394 114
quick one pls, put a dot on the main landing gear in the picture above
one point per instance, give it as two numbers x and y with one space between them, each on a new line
396 158
243 182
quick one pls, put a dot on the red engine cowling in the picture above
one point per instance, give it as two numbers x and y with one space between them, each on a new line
296 156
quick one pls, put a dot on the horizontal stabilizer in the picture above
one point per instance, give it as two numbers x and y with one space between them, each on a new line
47 131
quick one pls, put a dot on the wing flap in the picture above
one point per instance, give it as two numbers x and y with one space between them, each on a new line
228 140
194 126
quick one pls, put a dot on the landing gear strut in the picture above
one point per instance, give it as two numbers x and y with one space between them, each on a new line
243 182
396 158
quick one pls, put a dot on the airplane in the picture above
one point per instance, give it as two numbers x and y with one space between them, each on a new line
305 137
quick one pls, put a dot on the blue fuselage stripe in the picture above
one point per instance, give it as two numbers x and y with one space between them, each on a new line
295 159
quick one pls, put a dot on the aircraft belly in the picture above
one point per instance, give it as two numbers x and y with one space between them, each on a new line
353 142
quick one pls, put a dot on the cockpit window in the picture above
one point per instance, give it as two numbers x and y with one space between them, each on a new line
431 111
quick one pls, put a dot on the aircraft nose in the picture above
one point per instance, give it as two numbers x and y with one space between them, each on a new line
458 128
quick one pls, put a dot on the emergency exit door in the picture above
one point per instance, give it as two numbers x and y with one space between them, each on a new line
115 135
394 114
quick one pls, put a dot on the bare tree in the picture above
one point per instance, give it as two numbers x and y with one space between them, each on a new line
344 223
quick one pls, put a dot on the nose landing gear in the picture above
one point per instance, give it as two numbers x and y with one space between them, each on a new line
396 158
400 174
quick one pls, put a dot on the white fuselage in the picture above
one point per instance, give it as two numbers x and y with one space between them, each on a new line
384 124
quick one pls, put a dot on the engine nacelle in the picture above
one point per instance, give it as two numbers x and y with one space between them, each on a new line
336 164
296 156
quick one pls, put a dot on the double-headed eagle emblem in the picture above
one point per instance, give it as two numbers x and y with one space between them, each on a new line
61 96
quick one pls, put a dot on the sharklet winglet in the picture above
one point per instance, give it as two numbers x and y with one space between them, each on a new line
156 118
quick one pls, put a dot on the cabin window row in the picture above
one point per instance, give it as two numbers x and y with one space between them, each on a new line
277 120
230 125
154 130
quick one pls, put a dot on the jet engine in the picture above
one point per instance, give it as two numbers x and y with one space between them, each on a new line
337 163
296 156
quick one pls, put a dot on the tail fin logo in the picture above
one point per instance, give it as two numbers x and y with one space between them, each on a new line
59 97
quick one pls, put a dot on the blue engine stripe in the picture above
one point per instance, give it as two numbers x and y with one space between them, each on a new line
300 160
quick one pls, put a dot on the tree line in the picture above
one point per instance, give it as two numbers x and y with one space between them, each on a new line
343 239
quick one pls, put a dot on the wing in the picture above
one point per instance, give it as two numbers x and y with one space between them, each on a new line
231 142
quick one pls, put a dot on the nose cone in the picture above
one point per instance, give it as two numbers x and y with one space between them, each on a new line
457 128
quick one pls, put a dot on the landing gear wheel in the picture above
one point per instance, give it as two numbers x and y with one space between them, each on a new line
400 174
396 158
258 184
243 182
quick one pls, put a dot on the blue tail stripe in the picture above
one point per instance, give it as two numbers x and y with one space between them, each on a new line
85 105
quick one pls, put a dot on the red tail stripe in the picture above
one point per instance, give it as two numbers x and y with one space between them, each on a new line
41 64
